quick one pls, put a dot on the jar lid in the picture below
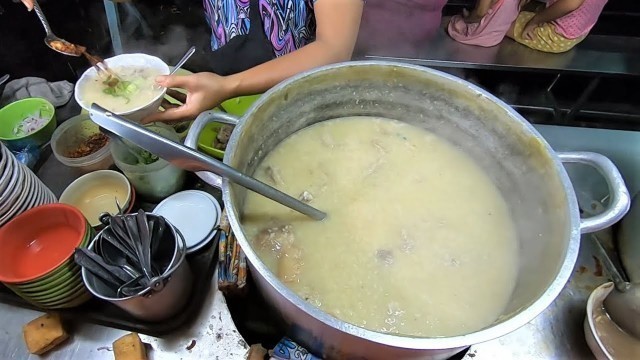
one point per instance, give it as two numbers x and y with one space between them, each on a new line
195 213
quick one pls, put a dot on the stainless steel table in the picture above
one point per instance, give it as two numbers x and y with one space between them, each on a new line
556 334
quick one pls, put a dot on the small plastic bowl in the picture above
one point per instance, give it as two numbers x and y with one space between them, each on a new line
38 241
147 61
96 193
239 106
236 106
69 135
11 116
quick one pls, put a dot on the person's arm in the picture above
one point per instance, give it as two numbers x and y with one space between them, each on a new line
557 10
337 24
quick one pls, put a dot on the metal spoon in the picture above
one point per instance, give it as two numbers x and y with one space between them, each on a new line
622 304
184 59
52 40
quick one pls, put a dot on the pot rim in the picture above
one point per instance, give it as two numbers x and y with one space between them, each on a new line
419 343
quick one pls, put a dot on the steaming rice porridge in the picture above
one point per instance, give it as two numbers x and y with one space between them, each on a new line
136 90
418 240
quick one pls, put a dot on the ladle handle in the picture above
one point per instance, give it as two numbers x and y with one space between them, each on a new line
619 195
43 19
191 160
196 128
619 282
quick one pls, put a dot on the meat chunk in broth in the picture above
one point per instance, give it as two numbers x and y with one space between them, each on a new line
280 240
274 175
290 263
276 238
306 197
384 256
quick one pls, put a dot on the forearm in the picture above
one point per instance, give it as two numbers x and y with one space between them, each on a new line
556 11
263 77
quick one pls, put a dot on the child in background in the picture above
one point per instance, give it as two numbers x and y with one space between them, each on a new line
487 24
558 27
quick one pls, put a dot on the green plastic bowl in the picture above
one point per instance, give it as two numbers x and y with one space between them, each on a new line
239 106
11 116
206 138
236 106
68 280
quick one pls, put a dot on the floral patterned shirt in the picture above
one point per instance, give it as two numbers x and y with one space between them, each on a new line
288 24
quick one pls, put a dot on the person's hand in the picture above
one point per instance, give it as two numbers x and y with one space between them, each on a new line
205 91
28 4
529 30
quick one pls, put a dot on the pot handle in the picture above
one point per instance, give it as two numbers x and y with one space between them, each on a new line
194 133
619 195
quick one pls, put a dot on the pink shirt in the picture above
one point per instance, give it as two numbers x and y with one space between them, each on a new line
578 22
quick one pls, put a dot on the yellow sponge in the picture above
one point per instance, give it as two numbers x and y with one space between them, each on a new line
44 333
129 347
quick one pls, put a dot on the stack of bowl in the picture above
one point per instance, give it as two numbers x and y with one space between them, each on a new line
20 188
36 261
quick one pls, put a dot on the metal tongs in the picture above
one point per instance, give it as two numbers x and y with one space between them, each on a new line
108 76
191 160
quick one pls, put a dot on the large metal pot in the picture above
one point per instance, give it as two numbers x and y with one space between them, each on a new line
520 162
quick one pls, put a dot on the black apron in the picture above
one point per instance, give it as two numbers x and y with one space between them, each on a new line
243 52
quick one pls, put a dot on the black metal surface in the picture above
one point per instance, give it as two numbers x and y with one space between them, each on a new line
103 313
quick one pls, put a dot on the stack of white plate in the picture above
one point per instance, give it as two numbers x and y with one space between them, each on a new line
20 188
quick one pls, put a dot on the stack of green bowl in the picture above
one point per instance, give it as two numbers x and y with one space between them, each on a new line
61 287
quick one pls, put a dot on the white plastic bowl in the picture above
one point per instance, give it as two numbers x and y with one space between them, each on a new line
614 344
138 113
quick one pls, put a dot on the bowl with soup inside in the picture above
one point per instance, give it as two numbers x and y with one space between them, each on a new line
134 96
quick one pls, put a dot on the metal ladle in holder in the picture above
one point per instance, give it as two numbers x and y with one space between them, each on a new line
191 160
154 299
126 256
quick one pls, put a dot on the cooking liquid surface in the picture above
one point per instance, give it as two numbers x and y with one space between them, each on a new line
418 240
142 77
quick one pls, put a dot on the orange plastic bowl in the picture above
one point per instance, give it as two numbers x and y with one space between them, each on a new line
38 241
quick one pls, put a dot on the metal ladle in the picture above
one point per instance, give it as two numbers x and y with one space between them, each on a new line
51 37
623 303
191 160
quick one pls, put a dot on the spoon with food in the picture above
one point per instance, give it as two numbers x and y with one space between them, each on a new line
54 42
623 303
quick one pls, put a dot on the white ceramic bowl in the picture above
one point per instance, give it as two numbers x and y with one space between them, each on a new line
95 193
611 343
138 113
